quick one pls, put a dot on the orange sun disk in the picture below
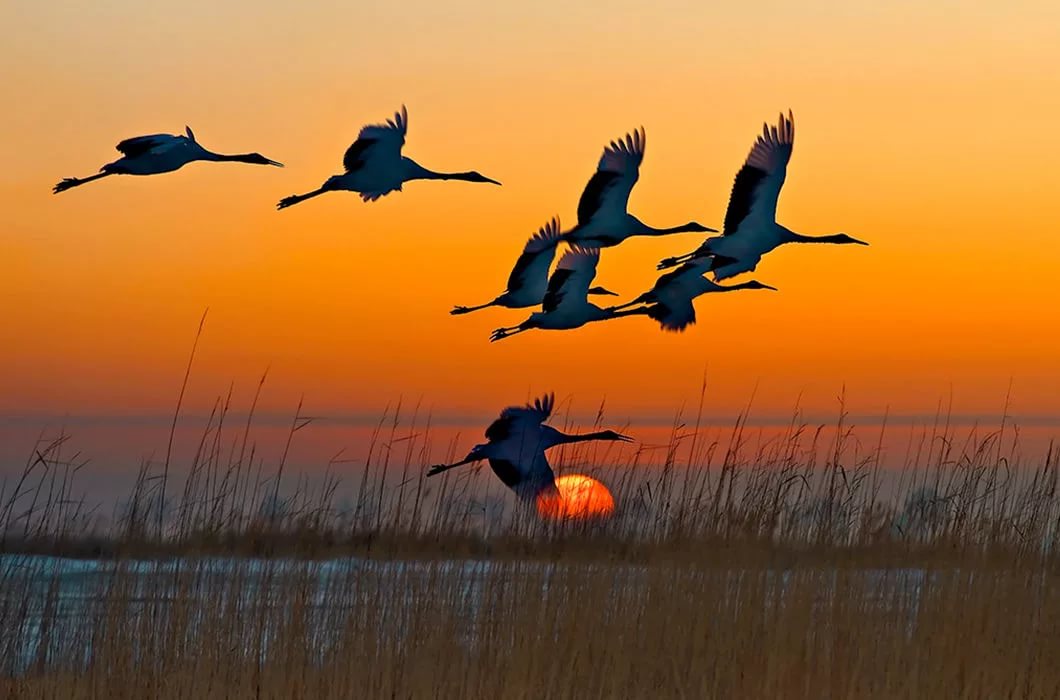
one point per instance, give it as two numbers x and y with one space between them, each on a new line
577 497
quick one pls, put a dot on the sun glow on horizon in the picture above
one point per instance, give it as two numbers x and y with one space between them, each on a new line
577 497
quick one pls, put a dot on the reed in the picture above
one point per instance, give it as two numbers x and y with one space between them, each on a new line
739 564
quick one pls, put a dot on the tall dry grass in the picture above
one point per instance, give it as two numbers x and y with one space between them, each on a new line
789 564
564 629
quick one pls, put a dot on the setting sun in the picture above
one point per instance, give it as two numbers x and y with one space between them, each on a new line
578 496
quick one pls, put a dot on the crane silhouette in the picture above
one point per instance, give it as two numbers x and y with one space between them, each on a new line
374 166
751 229
669 301
528 280
602 217
566 304
515 448
160 153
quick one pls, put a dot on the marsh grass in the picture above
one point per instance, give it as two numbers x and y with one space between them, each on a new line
793 563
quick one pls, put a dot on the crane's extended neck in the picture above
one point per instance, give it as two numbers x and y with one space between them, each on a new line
750 284
644 229
624 310
835 238
255 158
560 438
415 171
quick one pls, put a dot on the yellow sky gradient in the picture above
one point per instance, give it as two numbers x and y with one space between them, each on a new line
929 131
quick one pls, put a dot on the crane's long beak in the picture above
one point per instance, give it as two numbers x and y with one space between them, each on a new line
603 292
439 468
624 438
277 163
766 286
489 179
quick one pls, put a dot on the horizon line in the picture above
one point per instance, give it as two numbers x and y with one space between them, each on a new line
409 418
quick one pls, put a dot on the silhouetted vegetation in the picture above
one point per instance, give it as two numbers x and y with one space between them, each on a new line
791 565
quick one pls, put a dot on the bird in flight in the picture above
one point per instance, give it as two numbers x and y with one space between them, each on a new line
528 281
669 301
602 217
515 448
160 153
374 166
751 228
566 304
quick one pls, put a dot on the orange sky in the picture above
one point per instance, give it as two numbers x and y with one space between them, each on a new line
930 132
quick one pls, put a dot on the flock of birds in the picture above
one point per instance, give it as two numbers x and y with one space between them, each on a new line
750 231
516 442
374 166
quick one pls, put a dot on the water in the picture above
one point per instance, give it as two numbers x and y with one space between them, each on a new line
74 595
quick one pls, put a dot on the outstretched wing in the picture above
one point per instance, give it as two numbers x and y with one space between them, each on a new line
675 291
696 267
570 282
543 406
139 145
674 317
527 480
607 193
534 413
519 419
522 465
378 141
757 185
531 269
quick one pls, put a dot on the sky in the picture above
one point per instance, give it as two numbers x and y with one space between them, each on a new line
927 129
